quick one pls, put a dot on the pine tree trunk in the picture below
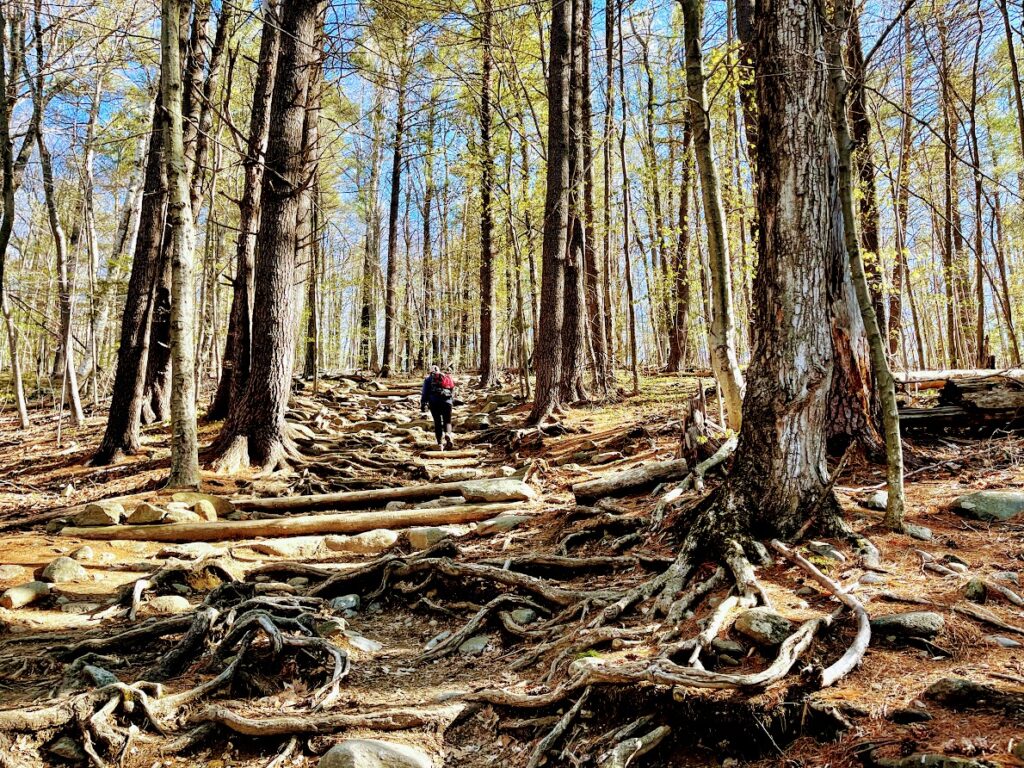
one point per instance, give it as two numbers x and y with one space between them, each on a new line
254 433
235 366
391 287
488 335
634 360
679 336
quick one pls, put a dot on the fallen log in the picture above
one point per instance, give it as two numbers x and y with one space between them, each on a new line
971 402
629 480
938 379
352 499
348 522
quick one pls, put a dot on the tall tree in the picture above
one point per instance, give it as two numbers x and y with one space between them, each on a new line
184 440
254 432
488 332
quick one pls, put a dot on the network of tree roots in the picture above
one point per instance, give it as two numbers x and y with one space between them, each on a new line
615 667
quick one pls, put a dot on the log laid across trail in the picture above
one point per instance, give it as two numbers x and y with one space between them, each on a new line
636 478
347 522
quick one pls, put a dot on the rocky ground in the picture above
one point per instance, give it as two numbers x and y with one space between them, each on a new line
462 618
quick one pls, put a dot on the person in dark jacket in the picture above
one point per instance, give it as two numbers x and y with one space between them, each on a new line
438 394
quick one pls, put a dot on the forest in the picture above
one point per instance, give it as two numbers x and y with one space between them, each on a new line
556 383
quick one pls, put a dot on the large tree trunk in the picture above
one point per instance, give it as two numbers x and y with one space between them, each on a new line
235 367
391 287
902 208
254 433
780 474
367 346
548 356
680 332
184 441
722 328
122 432
488 333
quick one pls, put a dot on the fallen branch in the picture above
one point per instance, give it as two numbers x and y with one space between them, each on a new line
398 719
627 481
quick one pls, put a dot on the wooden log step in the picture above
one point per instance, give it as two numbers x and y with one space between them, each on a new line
461 453
348 522
636 478
352 499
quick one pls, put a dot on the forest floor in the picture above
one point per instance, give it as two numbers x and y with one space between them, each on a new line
355 438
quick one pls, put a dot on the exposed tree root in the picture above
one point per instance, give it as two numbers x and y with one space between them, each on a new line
397 719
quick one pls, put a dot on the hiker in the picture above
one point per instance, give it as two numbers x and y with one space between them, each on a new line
439 393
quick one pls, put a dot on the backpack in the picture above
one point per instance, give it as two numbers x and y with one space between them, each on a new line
442 387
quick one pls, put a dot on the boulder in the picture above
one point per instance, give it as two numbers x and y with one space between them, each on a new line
975 591
476 421
763 626
206 510
923 624
99 513
523 616
147 514
220 505
423 537
373 753
878 500
919 532
182 516
722 645
84 554
166 605
23 594
992 506
499 489
11 572
98 676
345 603
63 570
474 646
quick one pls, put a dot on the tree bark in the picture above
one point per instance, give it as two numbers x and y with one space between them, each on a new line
722 328
488 334
254 433
391 287
680 332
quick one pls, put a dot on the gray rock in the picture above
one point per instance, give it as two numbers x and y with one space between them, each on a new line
361 643
299 582
11 572
98 676
872 578
372 753
877 500
476 421
84 554
396 505
147 514
99 513
79 609
501 523
1003 641
992 506
919 532
67 748
345 603
1010 577
975 591
723 645
427 536
924 624
166 605
728 661
909 715
474 646
294 547
826 550
63 570
444 501
182 516
501 399
23 594
806 591
205 509
764 626
523 616
500 489
436 640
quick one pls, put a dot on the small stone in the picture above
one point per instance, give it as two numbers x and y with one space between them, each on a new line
67 748
1002 641
345 603
878 500
63 570
723 645
331 627
205 509
220 505
23 594
474 646
507 471
992 506
476 421
728 661
361 643
501 523
99 513
919 532
924 624
500 489
806 591
436 640
367 543
764 626
58 524
182 516
1010 577
147 514
824 549
83 554
975 591
392 506
373 753
299 582
79 609
909 715
872 578
166 605
99 676
523 616
427 536
11 572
